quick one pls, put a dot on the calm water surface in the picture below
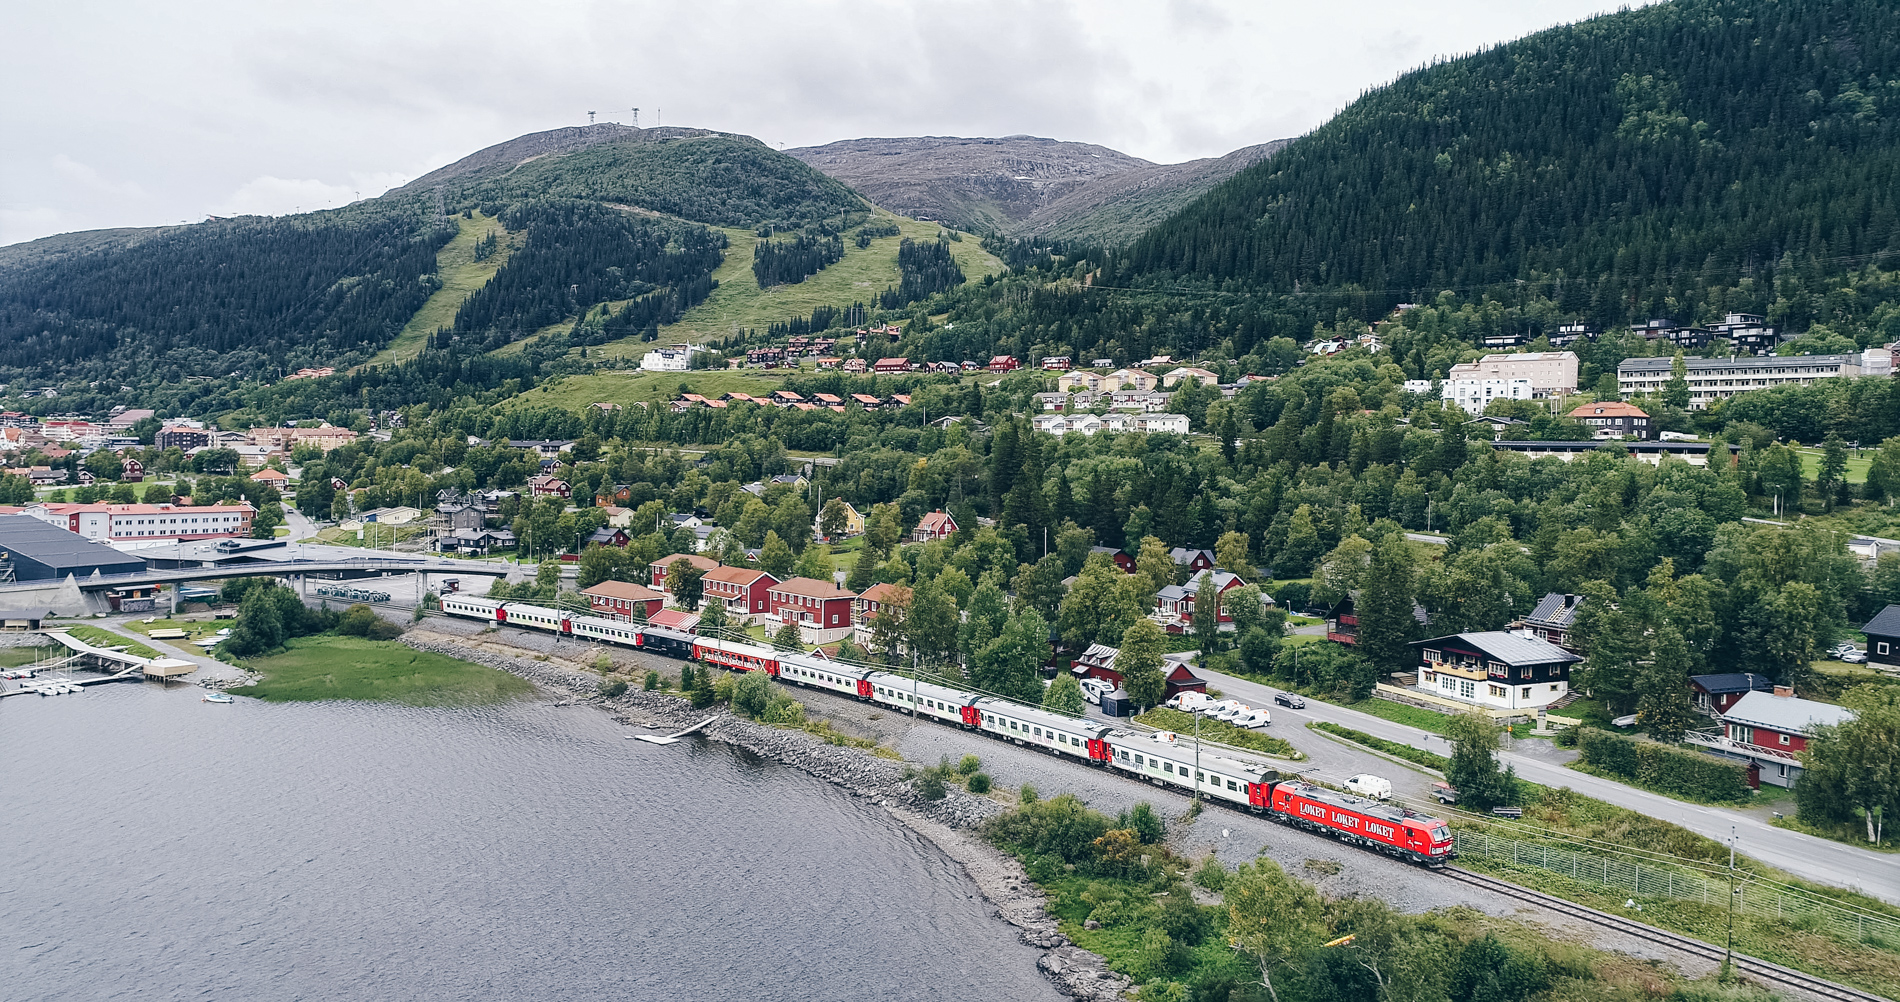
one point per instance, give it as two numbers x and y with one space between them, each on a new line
153 846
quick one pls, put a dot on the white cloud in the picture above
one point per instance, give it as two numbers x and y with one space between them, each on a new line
90 177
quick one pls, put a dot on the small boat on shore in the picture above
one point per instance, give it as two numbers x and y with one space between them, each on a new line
216 697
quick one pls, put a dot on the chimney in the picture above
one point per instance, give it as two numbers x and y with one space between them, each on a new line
1784 692
1569 600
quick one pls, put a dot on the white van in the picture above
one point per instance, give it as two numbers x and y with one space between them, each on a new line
1190 701
1367 785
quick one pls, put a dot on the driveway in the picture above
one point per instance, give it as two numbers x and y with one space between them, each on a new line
1816 859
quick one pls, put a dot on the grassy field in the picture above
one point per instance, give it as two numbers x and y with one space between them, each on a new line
384 671
576 392
1402 713
1856 465
858 277
14 657
1218 731
194 630
461 275
105 638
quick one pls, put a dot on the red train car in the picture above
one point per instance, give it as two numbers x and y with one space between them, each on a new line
1364 822
737 656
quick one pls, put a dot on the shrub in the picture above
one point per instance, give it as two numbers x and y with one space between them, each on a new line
752 693
930 787
1211 874
686 678
613 689
979 783
1144 822
1028 795
783 709
1063 826
1664 768
723 689
652 682
969 764
383 629
356 621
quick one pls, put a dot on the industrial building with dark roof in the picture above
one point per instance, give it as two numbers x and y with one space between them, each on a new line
39 551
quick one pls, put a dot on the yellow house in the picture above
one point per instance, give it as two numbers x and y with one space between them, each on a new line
853 522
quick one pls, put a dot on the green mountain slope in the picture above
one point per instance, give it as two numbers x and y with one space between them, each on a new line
168 308
1649 159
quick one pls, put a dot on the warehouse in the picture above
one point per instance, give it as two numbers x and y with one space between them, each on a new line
41 552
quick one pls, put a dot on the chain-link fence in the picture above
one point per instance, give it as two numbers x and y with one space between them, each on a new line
1638 879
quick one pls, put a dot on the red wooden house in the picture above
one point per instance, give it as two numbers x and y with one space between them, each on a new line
619 599
743 591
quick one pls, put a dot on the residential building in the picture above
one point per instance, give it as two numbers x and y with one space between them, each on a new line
853 521
1680 335
1342 620
1615 419
1195 561
547 485
545 448
1122 560
1749 333
275 478
621 599
1174 377
1150 424
131 471
1715 694
618 517
891 365
1883 638
744 591
1712 379
1056 363
1098 662
1090 381
1004 363
1768 731
1550 373
674 358
933 526
147 523
606 535
821 609
656 571
1570 334
876 599
1877 362
182 438
1130 379
1475 393
1495 669
1175 604
1553 618
1139 401
1062 424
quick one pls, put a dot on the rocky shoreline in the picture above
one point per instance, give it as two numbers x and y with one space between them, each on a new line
946 823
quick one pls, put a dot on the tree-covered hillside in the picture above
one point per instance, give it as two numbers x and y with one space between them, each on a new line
1642 163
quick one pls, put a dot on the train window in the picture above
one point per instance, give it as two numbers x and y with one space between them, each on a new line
1231 785
1012 725
1169 767
1039 732
1139 760
1198 778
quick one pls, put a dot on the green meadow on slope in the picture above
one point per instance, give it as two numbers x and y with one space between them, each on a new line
461 275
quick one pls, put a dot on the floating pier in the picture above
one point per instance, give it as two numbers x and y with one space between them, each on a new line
671 738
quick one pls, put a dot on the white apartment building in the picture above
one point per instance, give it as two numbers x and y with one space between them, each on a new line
1475 393
676 358
1550 373
1712 379
146 523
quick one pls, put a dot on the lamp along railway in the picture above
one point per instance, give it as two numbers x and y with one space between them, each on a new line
1223 776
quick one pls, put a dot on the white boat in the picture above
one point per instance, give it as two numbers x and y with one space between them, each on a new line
217 697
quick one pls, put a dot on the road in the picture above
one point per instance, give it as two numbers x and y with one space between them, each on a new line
1820 860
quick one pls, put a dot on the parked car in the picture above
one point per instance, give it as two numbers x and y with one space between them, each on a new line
1292 699
1444 793
1190 701
1854 657
1232 713
1223 706
1368 785
1253 718
1839 650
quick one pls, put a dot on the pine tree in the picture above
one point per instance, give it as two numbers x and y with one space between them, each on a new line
1384 608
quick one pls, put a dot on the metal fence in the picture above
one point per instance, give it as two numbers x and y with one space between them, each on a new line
1638 879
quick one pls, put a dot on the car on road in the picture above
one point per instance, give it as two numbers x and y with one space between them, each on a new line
1368 785
1444 793
1854 657
1292 699
1253 718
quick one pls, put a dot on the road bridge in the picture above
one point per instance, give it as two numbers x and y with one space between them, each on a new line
359 566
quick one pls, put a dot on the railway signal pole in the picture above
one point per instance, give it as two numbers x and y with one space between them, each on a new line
1728 954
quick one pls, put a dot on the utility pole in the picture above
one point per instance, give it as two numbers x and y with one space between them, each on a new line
1728 955
1197 758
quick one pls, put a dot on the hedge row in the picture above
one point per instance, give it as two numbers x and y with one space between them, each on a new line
1430 760
1664 768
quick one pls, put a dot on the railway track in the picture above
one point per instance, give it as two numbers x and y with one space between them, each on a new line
1763 971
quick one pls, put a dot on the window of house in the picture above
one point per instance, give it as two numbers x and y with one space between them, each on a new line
1784 739
1497 691
1881 647
1467 689
1431 655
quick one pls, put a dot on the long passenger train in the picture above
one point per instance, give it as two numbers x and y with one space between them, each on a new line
1161 758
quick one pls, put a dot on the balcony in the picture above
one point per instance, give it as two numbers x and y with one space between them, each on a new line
1714 740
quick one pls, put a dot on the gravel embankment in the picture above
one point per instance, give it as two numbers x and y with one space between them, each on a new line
947 823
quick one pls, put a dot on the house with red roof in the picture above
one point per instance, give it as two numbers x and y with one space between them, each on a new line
891 365
936 525
742 590
619 600
821 610
656 571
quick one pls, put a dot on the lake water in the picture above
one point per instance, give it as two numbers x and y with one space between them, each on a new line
158 847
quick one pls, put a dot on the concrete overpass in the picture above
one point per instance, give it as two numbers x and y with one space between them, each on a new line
82 596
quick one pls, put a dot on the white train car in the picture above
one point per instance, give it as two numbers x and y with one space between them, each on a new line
821 673
1168 759
736 656
610 631
938 702
535 617
487 610
1052 732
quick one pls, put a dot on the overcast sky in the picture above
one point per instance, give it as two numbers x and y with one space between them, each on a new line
122 113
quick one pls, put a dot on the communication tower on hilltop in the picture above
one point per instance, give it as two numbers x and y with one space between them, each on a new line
636 118
590 118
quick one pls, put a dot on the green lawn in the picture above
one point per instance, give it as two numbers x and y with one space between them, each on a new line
1403 713
330 667
14 657
1856 465
461 275
1218 731
105 638
194 630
